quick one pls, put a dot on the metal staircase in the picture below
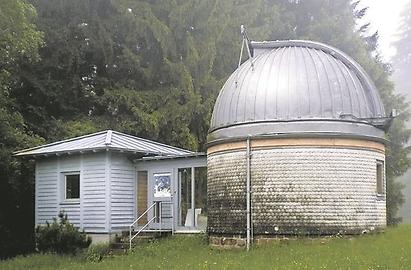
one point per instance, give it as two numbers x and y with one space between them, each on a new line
156 222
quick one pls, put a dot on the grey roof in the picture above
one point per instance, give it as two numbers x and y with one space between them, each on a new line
296 80
194 155
107 140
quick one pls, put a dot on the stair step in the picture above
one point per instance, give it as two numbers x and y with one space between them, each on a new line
122 242
115 246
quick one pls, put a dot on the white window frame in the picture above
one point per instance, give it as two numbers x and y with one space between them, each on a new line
154 183
65 199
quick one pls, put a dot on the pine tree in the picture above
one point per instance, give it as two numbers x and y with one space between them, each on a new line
402 59
401 70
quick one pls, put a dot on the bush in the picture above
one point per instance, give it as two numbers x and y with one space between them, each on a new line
60 237
95 253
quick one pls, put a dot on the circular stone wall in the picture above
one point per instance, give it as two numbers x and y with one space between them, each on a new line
299 186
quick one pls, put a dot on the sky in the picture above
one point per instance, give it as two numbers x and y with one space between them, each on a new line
384 16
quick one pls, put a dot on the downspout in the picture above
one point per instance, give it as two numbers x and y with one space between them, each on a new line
248 191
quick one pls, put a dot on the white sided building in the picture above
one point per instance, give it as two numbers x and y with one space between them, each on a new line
106 180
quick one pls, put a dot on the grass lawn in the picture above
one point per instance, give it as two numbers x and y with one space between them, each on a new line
389 250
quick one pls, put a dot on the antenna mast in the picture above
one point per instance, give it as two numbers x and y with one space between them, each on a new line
245 42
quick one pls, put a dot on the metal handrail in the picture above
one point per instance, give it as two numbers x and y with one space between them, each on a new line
137 219
160 220
145 212
142 228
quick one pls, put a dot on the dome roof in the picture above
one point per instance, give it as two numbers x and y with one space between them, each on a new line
295 80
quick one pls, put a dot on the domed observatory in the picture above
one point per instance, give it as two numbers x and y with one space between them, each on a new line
297 136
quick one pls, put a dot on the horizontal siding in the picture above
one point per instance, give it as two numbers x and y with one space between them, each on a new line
72 210
69 163
73 213
100 206
94 192
46 191
122 194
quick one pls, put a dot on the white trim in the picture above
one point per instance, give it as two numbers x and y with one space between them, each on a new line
108 137
135 193
36 194
60 196
176 197
193 186
170 175
108 191
71 200
81 193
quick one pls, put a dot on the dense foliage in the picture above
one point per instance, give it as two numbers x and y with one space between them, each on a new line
60 237
96 252
19 43
151 69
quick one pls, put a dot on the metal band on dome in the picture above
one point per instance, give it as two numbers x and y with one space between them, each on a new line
264 143
314 128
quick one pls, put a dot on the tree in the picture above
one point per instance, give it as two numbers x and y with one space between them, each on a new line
402 59
154 68
334 22
151 69
19 41
401 69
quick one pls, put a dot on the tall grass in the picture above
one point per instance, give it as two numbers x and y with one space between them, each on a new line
389 250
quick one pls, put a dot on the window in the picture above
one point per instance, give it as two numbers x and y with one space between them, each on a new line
72 186
380 177
162 185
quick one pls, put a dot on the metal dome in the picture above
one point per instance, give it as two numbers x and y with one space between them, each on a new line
297 87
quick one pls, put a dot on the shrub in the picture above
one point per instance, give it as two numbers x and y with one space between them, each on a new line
60 237
95 253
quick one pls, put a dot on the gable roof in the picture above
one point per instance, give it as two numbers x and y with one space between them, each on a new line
107 140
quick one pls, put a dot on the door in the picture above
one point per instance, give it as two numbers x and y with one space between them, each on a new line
192 198
142 184
162 197
185 206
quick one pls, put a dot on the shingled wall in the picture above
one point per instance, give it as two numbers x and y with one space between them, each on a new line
296 190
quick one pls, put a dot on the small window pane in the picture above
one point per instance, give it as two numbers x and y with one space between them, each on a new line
380 178
73 186
162 185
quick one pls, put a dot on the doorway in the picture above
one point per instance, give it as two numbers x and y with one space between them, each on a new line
142 178
192 199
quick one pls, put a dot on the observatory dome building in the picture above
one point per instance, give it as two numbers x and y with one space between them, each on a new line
303 124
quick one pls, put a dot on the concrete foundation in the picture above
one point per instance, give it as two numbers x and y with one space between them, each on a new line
101 238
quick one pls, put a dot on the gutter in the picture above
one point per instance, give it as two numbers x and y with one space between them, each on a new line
248 197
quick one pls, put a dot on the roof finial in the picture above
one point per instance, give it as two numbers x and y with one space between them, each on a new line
245 42
108 137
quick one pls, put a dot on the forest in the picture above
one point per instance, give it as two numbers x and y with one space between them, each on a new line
152 68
